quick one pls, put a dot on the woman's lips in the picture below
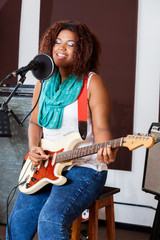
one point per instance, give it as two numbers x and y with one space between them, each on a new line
61 55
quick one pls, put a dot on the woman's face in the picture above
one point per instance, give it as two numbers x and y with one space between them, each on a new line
63 49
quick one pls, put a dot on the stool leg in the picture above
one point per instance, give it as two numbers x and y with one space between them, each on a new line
76 228
93 221
111 233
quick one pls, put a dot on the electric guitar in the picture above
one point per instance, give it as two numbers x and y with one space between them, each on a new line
62 153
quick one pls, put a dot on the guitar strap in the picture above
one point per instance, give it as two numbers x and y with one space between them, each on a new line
82 110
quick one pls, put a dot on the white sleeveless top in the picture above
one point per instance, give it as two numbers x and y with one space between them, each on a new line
69 125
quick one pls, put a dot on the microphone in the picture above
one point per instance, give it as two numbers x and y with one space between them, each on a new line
42 67
23 70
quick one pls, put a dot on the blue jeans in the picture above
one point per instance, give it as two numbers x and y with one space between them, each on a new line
52 209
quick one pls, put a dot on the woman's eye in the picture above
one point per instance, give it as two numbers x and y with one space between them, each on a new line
58 41
71 44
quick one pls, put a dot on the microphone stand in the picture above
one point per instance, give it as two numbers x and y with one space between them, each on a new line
4 105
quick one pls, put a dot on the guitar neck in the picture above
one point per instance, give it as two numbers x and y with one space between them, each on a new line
89 150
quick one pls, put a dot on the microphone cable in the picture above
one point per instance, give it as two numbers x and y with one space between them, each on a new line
34 105
9 200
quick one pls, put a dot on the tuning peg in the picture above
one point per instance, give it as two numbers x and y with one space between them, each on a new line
135 133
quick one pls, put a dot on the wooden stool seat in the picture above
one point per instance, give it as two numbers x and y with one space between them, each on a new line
105 199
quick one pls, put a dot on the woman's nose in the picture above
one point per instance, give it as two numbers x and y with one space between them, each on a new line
62 46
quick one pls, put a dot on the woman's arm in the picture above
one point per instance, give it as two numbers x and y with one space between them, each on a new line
100 105
36 154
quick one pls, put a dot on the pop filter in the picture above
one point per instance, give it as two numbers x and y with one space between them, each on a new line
45 67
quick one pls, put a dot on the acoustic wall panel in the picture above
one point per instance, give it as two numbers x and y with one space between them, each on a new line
13 150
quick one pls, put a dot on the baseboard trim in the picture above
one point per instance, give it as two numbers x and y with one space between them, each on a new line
127 226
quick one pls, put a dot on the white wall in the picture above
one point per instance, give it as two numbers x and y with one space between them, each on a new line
146 111
29 35
146 102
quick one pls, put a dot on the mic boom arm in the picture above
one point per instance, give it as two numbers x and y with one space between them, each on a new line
4 105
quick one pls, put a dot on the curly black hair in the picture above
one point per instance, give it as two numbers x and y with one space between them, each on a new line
87 47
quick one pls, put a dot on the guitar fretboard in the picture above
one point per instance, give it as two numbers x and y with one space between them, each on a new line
89 150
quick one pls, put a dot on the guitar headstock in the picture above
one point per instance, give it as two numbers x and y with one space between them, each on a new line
137 140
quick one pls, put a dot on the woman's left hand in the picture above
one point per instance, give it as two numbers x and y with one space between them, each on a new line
107 155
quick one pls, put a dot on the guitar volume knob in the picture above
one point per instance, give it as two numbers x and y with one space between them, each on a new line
33 179
27 185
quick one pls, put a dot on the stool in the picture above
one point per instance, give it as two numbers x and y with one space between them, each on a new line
105 199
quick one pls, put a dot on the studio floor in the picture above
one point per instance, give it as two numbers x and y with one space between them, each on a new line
121 233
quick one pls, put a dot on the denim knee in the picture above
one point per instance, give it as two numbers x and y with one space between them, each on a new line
52 227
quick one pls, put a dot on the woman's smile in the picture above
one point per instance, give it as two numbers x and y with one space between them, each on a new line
61 55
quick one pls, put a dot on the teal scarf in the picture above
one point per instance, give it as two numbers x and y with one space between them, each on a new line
54 97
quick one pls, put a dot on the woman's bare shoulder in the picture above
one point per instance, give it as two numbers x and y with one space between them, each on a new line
97 86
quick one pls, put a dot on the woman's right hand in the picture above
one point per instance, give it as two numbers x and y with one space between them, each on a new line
37 155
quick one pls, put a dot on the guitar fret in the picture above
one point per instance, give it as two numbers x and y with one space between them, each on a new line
114 144
82 152
75 153
78 153
95 148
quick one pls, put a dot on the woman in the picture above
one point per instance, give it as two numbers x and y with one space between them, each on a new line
75 52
